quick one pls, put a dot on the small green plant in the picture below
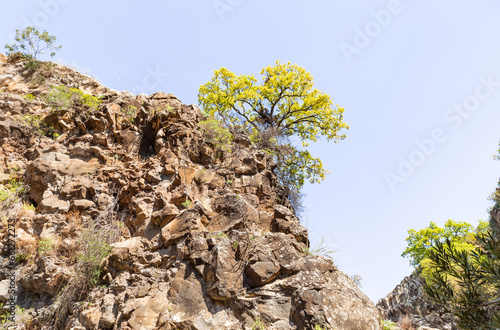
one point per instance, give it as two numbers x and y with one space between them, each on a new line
388 325
130 112
29 97
229 181
321 249
21 257
28 207
235 245
319 327
218 236
32 64
216 134
9 193
21 316
258 325
35 123
62 97
45 246
186 204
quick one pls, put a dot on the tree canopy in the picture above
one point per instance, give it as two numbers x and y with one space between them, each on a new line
421 241
31 43
283 104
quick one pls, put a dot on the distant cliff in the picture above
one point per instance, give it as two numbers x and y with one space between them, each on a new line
408 300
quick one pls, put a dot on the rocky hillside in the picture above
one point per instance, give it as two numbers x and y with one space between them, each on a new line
201 237
408 300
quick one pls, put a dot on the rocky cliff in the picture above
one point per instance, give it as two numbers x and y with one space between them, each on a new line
201 238
408 300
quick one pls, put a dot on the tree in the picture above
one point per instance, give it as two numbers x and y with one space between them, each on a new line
31 43
420 242
282 105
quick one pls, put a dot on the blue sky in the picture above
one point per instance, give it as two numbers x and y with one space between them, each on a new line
419 81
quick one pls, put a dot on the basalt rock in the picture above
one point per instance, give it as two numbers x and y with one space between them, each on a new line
408 300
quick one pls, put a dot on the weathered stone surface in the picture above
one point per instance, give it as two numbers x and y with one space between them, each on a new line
144 312
189 220
285 222
233 212
165 215
408 299
47 276
53 204
82 204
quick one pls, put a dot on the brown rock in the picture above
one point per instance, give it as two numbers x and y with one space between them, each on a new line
82 204
187 292
53 204
147 310
165 215
187 174
47 276
224 275
183 224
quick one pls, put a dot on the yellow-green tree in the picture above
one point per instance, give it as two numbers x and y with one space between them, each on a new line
421 241
283 104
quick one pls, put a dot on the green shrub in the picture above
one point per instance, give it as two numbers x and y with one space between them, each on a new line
21 257
45 246
29 97
62 97
466 282
35 122
216 134
388 325
9 193
258 325
32 64
130 113
95 246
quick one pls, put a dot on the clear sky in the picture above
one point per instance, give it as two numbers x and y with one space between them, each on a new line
419 81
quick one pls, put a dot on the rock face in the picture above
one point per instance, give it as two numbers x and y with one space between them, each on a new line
202 241
408 300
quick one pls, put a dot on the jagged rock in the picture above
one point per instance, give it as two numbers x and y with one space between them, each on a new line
408 299
189 220
47 276
285 222
165 215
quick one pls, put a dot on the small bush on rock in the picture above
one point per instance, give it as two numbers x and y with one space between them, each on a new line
216 134
62 97
388 325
